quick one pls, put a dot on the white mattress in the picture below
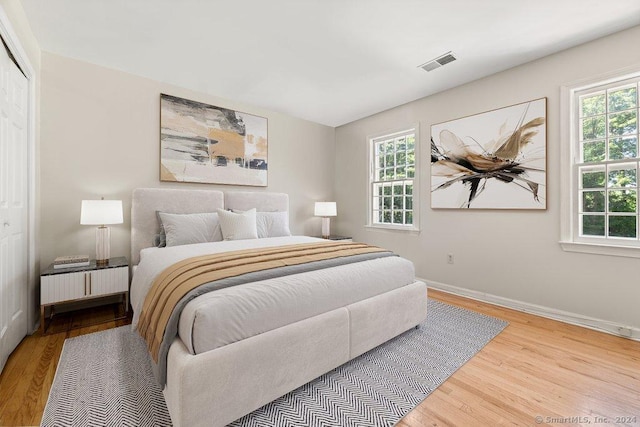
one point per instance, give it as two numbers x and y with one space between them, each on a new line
232 314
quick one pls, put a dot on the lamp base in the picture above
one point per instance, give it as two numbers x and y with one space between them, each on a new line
326 224
103 246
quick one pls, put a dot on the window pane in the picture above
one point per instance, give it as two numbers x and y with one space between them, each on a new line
401 158
623 99
387 190
593 128
398 217
379 190
387 202
593 225
397 202
398 190
593 179
400 172
387 217
622 201
593 151
622 226
623 123
390 162
592 105
593 201
623 148
622 178
408 202
411 172
408 189
408 217
411 142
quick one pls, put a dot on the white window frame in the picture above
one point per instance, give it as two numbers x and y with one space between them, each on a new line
415 227
570 239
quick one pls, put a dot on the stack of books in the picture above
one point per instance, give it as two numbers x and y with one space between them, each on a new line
71 261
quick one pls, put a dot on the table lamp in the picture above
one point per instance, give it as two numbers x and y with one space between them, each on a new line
325 210
101 213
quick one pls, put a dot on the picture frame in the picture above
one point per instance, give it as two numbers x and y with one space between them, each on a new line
203 143
491 160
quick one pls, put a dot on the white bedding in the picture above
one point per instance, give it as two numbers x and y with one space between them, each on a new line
232 314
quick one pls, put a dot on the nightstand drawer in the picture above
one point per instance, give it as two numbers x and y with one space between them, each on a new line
86 284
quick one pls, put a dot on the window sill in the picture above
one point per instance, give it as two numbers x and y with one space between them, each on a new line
600 249
410 230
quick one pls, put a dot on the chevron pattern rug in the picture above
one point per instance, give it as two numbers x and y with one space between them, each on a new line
105 378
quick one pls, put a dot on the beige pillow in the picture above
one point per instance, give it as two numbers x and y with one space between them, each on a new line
238 226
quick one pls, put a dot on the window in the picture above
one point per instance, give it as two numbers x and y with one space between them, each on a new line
392 178
604 165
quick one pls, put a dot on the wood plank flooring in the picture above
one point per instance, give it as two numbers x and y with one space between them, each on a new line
563 374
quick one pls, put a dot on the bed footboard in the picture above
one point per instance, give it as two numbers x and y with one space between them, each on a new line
220 386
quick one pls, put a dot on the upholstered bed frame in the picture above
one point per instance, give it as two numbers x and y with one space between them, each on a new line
217 387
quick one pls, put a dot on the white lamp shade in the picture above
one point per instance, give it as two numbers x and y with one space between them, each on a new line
325 209
101 212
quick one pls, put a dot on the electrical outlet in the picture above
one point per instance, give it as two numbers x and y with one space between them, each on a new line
449 258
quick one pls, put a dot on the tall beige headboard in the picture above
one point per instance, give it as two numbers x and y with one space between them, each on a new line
146 201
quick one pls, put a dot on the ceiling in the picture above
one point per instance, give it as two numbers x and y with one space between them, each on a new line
327 61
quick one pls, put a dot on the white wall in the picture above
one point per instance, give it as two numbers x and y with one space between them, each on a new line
512 254
101 137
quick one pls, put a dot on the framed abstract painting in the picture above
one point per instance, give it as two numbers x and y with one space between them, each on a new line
208 144
491 160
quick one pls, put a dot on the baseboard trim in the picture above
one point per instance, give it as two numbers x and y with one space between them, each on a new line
539 310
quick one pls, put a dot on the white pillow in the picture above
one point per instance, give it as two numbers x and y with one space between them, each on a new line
238 226
185 229
272 224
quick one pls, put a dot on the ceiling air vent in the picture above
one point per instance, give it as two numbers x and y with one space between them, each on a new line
438 62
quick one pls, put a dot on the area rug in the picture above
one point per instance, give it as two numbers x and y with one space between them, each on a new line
105 378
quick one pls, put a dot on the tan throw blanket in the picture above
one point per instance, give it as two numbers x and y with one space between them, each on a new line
179 279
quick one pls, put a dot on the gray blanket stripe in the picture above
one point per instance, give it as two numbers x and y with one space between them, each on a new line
171 331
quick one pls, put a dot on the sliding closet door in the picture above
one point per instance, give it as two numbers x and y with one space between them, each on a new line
13 205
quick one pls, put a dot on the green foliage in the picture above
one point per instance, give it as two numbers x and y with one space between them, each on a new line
592 105
593 179
622 226
623 148
624 123
593 128
593 151
593 201
623 99
622 201
622 178
593 225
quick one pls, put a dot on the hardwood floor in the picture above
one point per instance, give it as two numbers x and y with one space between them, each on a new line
28 374
535 368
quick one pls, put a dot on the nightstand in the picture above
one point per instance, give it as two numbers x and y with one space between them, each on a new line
342 238
64 285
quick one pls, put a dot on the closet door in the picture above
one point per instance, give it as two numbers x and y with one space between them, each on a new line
13 205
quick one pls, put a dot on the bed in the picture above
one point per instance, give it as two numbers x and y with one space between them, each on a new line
240 347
